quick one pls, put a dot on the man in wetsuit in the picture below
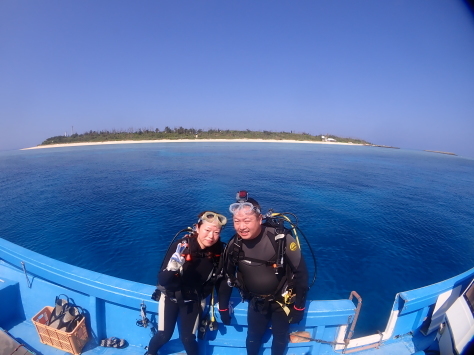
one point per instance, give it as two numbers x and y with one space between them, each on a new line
253 265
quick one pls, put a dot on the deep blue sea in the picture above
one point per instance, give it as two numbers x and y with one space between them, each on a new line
380 221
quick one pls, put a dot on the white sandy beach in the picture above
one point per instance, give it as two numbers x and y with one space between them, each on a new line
184 141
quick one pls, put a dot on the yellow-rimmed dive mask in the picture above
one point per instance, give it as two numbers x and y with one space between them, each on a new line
213 217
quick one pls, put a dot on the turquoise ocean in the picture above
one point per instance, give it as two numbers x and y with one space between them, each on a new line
380 221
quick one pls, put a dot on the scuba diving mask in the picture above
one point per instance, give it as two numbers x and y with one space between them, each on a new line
213 217
248 205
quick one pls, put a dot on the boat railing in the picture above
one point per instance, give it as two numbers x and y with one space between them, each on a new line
344 335
417 313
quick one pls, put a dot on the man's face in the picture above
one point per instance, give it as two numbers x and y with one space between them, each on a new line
247 224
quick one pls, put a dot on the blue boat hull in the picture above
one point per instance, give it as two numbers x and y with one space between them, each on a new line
30 281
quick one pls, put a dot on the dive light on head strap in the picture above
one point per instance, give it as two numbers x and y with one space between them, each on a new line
213 217
242 196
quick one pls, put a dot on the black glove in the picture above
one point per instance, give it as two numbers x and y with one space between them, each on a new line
156 295
296 315
225 316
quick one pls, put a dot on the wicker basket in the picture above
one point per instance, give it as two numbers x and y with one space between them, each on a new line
72 342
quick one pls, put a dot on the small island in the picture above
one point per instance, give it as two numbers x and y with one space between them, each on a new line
173 134
439 152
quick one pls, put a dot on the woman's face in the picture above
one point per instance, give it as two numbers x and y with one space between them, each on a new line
207 234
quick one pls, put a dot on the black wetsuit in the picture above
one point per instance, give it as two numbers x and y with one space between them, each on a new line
183 295
262 287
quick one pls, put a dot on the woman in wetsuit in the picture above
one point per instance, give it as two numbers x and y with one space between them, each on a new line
186 281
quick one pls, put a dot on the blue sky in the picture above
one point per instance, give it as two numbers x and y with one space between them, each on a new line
397 73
